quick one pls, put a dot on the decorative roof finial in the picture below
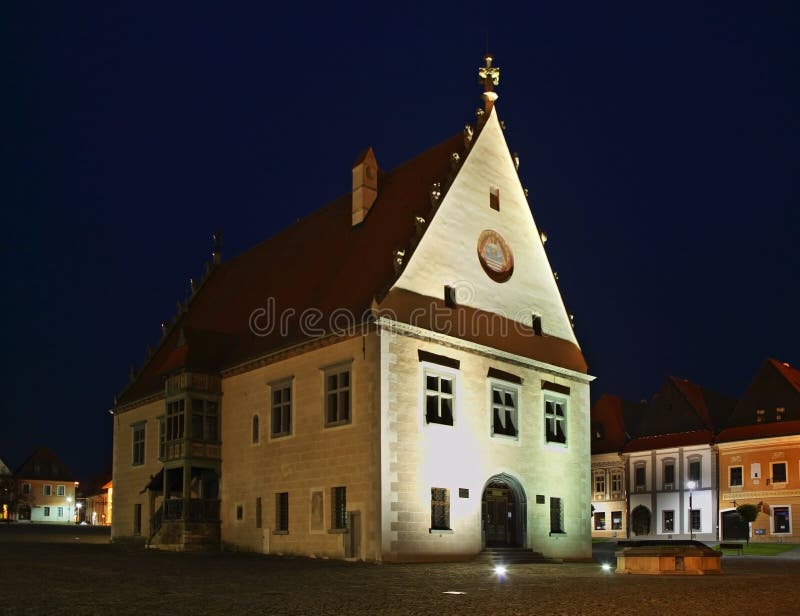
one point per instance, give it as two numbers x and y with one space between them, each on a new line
489 77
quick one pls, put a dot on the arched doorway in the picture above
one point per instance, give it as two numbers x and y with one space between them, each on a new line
503 512
640 520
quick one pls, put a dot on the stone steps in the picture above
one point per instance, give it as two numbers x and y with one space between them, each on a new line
513 556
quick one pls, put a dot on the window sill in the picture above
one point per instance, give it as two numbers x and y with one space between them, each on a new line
337 531
337 424
557 533
440 531
280 532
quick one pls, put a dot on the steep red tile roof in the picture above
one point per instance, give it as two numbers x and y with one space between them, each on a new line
759 430
43 464
792 375
665 441
322 262
607 424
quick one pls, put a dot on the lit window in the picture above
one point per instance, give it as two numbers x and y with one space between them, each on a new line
600 520
780 520
339 508
599 485
616 520
504 410
616 484
138 444
337 396
735 476
440 509
555 420
282 407
282 512
439 398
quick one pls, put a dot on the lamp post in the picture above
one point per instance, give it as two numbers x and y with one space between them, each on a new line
691 485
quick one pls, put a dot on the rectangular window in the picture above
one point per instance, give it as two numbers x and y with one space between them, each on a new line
339 507
282 512
616 484
694 518
47 490
494 198
47 512
60 490
205 420
668 525
282 409
138 444
504 410
258 512
555 420
440 509
669 475
26 488
779 472
639 478
599 485
337 397
735 476
695 472
600 521
60 512
439 398
175 420
239 513
616 520
556 516
780 520
137 519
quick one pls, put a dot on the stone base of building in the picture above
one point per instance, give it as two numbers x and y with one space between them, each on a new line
658 558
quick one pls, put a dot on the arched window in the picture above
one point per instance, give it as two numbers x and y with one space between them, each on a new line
255 429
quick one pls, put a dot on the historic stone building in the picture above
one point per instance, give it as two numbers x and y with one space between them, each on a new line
393 378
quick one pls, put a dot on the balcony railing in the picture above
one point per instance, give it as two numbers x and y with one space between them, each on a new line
195 381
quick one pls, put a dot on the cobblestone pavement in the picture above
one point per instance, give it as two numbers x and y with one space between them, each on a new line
85 578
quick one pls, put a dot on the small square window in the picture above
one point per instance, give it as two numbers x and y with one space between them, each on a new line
463 493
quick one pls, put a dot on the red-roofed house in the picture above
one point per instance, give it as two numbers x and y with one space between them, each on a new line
46 489
393 378
759 457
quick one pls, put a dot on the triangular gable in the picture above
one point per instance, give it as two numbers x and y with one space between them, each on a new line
773 396
487 204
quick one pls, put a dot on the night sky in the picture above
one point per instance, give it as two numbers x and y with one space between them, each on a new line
659 142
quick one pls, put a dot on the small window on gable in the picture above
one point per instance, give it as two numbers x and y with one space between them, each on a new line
494 198
450 296
536 324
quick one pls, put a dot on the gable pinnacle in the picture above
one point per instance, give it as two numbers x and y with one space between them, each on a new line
489 77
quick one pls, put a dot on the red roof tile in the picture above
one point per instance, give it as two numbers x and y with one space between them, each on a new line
759 430
665 441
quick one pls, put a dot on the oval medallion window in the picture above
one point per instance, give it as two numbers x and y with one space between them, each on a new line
495 256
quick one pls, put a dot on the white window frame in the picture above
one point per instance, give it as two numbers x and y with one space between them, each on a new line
665 485
46 512
639 464
288 383
505 388
616 494
47 489
695 457
60 512
555 398
699 528
772 472
772 530
440 372
597 473
61 489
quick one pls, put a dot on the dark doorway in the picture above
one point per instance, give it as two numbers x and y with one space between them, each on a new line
24 512
502 514
733 527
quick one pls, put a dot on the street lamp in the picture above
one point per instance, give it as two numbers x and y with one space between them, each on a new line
691 485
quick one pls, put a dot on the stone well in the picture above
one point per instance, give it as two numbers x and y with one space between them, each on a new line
668 558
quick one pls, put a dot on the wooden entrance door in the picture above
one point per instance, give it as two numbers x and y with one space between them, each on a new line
499 515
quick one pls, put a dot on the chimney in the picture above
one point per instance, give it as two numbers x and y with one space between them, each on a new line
365 185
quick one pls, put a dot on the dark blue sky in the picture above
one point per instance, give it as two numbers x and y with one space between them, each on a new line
659 142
